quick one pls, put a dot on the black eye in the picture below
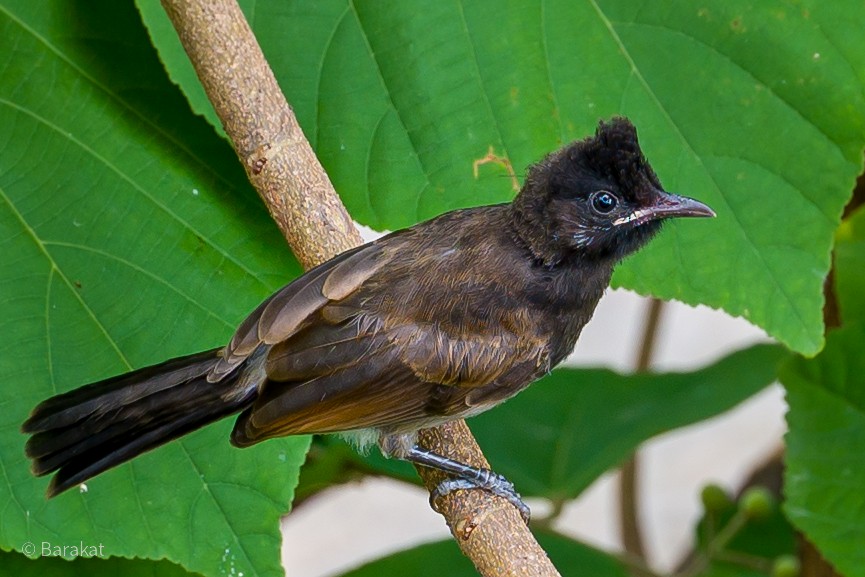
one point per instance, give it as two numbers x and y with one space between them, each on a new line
604 202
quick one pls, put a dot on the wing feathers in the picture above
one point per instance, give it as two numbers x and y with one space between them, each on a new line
337 378
294 364
356 343
377 392
284 313
350 274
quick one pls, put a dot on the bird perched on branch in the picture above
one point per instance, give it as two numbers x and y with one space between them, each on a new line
436 322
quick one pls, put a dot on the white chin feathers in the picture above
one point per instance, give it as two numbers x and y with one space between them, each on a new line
637 217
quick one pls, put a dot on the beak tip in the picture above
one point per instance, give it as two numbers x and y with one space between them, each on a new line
689 207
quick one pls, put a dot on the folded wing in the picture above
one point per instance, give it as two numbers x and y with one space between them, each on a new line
362 342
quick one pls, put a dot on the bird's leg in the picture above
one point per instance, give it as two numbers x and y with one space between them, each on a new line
466 476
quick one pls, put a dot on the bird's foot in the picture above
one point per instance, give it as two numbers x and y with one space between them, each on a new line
488 481
463 476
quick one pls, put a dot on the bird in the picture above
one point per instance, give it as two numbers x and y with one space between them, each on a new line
432 323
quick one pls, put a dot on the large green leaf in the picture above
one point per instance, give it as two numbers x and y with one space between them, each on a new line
756 108
128 235
17 565
825 470
444 558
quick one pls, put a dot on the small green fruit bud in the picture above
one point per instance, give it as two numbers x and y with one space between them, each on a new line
757 503
715 499
786 566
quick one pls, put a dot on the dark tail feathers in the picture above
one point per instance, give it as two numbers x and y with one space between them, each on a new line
84 432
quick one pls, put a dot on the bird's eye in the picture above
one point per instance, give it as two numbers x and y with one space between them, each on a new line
604 202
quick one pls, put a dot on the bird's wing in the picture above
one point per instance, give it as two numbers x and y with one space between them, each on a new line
393 334
289 309
350 370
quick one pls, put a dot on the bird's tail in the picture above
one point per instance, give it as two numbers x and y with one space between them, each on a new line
88 430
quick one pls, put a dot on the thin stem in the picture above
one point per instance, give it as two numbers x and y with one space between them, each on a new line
632 538
546 522
754 562
629 504
636 566
650 334
725 535
716 547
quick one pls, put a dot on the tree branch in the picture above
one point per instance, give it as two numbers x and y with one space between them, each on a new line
629 502
284 170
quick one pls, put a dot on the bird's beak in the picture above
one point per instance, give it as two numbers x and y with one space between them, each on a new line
667 206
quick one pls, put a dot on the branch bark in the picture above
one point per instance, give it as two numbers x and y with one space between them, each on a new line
284 170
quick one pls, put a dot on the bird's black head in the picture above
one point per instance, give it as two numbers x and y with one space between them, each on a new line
597 198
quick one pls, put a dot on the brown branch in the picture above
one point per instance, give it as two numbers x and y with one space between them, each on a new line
488 529
262 128
283 168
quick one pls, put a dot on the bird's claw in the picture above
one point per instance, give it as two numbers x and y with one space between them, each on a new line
492 482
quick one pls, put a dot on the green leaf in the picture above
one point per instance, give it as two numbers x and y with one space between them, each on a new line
52 566
560 434
444 558
738 103
176 63
129 235
850 267
825 471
